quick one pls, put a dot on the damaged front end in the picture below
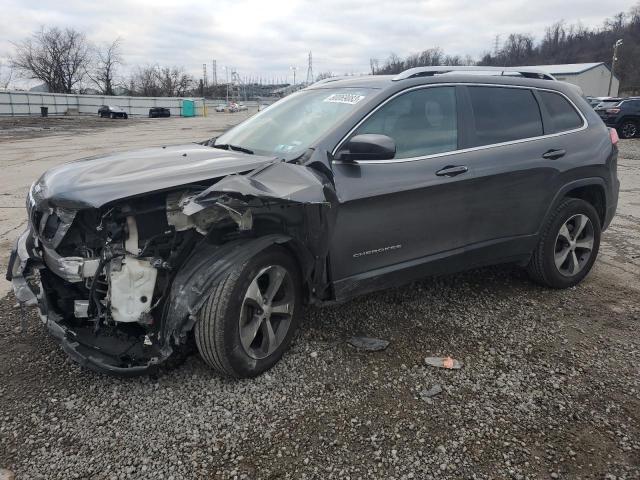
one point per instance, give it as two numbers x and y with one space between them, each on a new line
120 285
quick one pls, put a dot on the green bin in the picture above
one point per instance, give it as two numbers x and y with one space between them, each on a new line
188 108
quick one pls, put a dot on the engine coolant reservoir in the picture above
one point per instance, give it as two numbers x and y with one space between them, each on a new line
131 289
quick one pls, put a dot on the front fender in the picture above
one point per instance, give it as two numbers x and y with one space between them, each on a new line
205 266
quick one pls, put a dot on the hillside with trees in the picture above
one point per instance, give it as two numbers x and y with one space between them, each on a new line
560 43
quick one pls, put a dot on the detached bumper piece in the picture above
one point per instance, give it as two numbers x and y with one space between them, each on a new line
124 350
106 353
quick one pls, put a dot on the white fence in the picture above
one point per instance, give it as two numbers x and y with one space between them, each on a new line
16 103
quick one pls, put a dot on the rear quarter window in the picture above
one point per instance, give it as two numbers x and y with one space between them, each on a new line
504 114
563 115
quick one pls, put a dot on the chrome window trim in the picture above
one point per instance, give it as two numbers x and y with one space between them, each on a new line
585 125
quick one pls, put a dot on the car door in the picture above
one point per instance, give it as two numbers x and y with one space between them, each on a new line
517 163
400 213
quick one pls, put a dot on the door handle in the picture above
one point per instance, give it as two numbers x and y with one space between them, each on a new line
452 170
554 154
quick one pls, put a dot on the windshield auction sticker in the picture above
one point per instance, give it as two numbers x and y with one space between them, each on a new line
348 98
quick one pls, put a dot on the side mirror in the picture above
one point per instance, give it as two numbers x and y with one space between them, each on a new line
368 146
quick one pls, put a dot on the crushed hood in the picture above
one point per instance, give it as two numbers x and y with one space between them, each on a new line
95 181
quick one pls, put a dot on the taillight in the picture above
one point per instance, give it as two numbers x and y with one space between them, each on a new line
612 111
614 136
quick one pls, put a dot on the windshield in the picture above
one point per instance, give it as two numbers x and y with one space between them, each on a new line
291 125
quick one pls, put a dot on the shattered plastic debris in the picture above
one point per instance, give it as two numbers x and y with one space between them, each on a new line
432 392
443 362
369 344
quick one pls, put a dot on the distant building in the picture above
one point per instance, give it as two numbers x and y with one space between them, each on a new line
40 88
592 78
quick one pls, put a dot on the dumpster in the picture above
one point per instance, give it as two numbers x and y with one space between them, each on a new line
188 108
44 111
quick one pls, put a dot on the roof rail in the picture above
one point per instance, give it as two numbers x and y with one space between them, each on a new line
431 71
332 79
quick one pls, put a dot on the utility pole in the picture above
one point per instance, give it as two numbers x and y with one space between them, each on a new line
205 78
226 69
294 74
310 70
617 45
214 71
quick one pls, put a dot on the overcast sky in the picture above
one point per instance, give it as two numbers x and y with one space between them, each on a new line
262 37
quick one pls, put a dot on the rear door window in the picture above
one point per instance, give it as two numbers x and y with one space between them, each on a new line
563 115
504 114
422 122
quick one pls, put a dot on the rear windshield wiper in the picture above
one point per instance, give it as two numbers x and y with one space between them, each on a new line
227 146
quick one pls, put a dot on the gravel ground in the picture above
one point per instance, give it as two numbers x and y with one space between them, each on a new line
550 388
19 128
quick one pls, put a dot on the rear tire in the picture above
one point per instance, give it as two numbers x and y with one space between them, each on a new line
629 129
568 245
240 337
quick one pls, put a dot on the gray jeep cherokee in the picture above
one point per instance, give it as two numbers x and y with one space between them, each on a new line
349 186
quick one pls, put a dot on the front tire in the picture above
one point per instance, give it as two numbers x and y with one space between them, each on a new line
568 245
251 315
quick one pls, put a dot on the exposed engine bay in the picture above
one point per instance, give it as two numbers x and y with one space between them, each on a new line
120 284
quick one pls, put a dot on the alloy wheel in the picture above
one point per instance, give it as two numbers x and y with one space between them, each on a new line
574 245
267 311
629 130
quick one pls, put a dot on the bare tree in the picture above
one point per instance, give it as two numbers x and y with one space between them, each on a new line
174 81
144 81
107 60
374 64
517 49
153 80
6 75
59 58
324 75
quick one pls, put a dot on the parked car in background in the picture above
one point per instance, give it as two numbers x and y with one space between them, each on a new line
159 112
624 116
344 188
608 102
242 107
112 111
595 101
221 108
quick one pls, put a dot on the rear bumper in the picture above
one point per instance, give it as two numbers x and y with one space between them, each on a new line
612 203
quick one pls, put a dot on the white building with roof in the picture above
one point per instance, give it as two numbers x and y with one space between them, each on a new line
592 78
